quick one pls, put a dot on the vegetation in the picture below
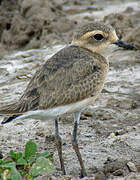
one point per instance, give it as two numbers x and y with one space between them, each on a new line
27 165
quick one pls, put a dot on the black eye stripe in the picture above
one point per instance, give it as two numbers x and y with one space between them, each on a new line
98 37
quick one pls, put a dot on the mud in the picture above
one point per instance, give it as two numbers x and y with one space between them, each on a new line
109 140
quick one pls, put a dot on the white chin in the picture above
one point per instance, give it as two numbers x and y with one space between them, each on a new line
108 50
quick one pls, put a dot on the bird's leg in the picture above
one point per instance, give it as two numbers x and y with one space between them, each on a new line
59 146
75 144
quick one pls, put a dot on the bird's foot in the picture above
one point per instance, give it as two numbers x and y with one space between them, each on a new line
63 171
83 173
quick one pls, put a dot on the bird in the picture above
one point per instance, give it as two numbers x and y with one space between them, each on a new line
68 82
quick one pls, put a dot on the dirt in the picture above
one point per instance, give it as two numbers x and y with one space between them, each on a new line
108 134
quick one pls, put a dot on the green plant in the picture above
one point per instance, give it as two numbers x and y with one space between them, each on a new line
27 165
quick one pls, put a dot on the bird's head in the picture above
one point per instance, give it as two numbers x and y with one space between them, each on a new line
97 37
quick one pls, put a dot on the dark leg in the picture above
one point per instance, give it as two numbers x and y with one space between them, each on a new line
59 147
75 144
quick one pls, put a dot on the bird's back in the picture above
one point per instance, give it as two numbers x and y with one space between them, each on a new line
71 75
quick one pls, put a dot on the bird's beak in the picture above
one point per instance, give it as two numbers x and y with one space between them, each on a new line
125 45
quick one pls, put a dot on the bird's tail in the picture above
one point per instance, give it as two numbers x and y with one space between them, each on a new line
10 111
9 119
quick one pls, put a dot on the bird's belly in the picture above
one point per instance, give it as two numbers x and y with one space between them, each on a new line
57 111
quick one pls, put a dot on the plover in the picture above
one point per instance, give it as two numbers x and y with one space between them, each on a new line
68 82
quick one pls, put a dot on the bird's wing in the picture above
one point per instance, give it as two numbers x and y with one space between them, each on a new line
69 76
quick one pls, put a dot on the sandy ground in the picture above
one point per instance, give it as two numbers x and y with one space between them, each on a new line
109 130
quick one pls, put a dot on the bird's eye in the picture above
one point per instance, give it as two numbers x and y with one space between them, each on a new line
98 37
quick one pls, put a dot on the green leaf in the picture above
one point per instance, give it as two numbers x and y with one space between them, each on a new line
14 174
1 161
32 159
42 165
15 156
29 177
44 154
18 155
8 161
30 149
12 154
1 170
22 172
8 165
21 161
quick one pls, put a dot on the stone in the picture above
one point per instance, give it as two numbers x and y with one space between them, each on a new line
131 167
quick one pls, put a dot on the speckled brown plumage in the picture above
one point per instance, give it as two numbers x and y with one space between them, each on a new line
71 75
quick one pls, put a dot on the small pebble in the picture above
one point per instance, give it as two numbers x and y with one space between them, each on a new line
120 132
100 176
68 134
118 172
132 167
41 134
112 135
